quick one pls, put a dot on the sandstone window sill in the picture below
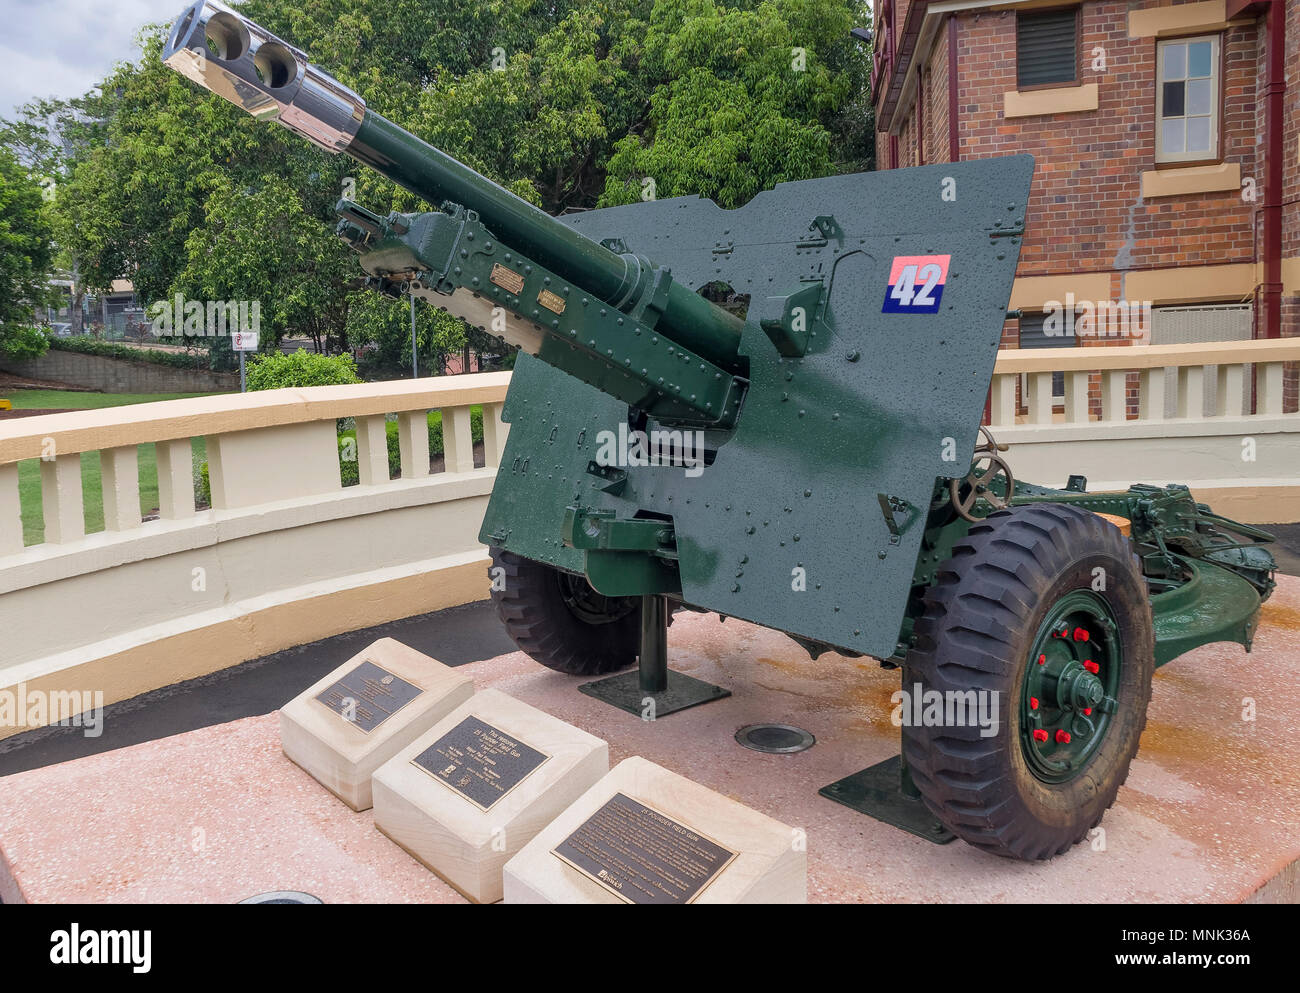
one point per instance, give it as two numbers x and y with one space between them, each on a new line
1191 180
1056 100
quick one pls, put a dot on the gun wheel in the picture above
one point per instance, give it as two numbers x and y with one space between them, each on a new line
1043 608
560 621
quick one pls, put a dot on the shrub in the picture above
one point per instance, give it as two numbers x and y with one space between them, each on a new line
202 486
435 429
349 471
349 468
23 342
299 369
111 350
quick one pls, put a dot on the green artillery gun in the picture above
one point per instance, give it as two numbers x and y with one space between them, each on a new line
783 428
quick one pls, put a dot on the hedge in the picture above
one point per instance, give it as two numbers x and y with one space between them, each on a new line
348 468
112 350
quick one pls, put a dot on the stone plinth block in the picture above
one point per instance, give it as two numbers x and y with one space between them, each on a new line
364 712
644 834
471 792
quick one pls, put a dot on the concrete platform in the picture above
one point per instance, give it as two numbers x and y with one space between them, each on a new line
1211 812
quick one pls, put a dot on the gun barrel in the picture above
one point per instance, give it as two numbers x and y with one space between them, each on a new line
244 63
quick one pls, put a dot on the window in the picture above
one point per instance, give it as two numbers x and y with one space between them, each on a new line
1187 100
1047 47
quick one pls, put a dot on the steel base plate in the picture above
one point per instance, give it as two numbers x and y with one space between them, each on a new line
624 692
877 791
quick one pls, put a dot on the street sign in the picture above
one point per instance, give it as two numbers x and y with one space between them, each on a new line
245 341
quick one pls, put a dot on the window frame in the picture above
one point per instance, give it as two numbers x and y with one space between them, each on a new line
1218 66
1078 48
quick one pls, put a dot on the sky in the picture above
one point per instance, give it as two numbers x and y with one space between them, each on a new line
61 48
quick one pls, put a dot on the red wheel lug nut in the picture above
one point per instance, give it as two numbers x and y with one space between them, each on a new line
1062 737
1040 735
1042 660
1080 634
1033 703
1087 711
1091 666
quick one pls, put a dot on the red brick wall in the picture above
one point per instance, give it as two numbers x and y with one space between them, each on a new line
936 102
1086 213
1290 193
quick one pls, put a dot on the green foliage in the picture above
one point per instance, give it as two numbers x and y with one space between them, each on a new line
261 245
25 254
386 324
349 469
111 350
743 97
202 486
20 341
298 369
571 104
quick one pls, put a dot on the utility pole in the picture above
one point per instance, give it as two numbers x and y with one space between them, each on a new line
415 355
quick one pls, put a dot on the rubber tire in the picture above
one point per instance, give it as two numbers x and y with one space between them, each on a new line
981 616
539 620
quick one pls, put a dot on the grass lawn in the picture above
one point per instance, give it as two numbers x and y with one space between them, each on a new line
76 400
29 471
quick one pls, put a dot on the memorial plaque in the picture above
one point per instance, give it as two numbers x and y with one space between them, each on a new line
368 695
642 856
480 762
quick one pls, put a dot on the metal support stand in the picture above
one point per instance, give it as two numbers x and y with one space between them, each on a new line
653 690
886 792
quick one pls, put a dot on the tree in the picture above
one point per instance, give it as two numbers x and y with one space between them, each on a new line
385 323
259 245
744 97
571 104
25 254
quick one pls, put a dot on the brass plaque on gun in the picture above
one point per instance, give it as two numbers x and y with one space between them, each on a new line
507 279
551 302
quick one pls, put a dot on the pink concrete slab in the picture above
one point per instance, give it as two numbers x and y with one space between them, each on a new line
1211 811
212 816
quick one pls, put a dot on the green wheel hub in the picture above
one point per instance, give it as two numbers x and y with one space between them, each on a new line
1070 684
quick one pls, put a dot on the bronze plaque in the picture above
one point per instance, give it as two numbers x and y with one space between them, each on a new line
368 695
507 279
480 762
553 303
642 856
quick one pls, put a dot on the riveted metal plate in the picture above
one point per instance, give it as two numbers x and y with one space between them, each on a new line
784 524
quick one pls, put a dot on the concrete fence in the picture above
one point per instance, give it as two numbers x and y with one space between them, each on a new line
109 375
1190 425
288 555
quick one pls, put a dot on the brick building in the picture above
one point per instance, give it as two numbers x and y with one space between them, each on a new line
1166 140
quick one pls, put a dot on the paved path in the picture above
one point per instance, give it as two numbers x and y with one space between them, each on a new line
456 636
1211 810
